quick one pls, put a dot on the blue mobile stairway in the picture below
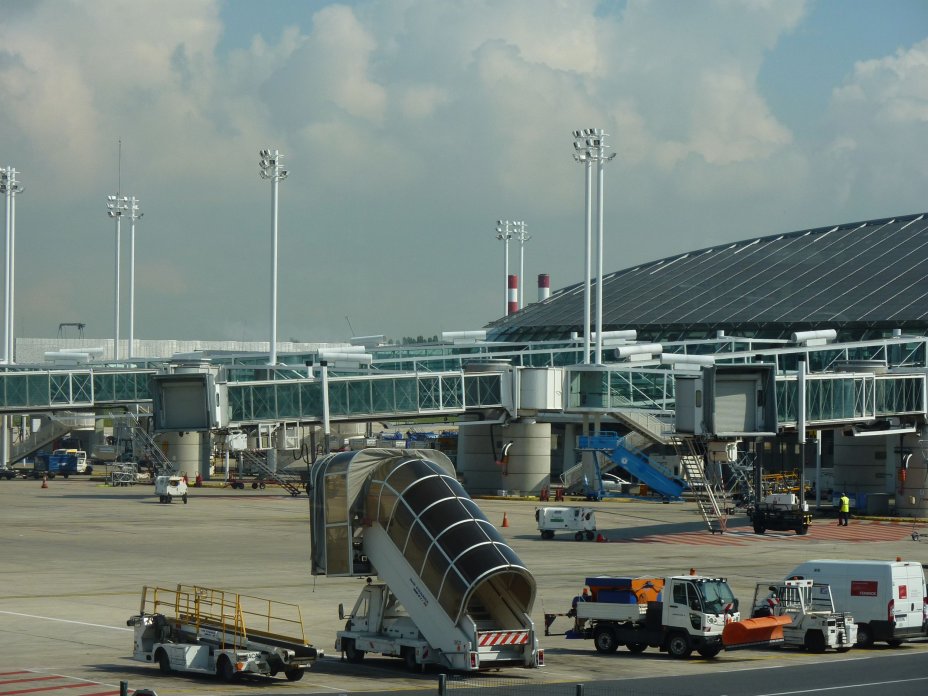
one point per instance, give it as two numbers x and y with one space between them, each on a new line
636 463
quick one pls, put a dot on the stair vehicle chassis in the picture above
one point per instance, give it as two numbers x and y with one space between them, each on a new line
206 631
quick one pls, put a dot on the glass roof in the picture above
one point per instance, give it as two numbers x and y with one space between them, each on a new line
860 275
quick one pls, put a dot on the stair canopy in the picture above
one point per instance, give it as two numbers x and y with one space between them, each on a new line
414 496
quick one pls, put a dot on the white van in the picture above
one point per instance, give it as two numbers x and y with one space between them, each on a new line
886 598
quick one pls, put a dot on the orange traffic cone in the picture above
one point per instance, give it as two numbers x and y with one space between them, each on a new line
45 482
505 520
600 538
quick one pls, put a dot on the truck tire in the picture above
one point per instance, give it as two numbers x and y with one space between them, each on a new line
864 636
224 669
709 651
409 657
803 530
547 534
759 529
164 662
589 536
678 645
351 652
605 639
185 498
814 642
578 536
294 674
636 647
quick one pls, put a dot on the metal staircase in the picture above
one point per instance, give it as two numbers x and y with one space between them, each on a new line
288 482
144 447
49 431
708 494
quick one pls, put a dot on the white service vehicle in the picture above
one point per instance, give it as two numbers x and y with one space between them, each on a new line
886 598
208 631
580 520
676 615
815 625
169 487
451 591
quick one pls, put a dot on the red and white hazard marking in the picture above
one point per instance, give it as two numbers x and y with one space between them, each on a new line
491 638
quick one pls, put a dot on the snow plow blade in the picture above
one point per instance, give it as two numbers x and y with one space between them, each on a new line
750 633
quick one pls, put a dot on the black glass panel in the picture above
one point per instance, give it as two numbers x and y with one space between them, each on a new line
399 525
425 492
475 563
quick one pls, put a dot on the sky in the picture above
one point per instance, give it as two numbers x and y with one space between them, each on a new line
409 127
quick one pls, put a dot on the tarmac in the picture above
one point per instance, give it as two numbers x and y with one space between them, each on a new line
74 557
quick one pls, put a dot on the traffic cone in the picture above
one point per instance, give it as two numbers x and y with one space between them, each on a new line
600 538
505 520
45 482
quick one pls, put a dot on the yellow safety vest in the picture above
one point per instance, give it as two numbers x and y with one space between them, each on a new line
845 504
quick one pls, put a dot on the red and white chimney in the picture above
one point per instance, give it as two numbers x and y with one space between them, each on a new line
513 296
544 287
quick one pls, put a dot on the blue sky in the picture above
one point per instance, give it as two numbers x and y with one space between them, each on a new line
410 126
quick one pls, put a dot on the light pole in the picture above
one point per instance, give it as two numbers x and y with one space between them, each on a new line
582 155
523 237
116 206
134 215
591 147
271 169
10 188
503 233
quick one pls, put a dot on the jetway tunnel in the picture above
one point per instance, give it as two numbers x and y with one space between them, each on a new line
393 513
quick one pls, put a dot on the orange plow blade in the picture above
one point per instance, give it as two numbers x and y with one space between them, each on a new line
766 630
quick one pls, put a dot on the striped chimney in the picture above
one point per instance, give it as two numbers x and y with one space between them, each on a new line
513 296
544 287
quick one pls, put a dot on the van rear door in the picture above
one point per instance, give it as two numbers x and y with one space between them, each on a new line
908 595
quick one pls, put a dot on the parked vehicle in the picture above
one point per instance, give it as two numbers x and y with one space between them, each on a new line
580 520
676 615
169 487
209 631
886 598
67 462
814 623
781 512
447 596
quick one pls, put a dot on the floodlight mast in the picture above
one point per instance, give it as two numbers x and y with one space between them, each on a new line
523 237
583 156
270 168
134 215
590 144
115 207
504 233
10 188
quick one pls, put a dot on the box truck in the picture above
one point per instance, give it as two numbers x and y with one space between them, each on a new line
886 598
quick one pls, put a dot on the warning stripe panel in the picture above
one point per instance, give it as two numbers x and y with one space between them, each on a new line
491 638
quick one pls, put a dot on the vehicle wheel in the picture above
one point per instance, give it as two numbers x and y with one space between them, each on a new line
637 647
224 669
802 531
894 642
589 536
815 641
185 498
547 534
262 485
169 498
758 529
864 636
66 475
254 485
604 639
678 645
161 499
294 674
709 651
351 652
578 536
89 470
164 662
409 657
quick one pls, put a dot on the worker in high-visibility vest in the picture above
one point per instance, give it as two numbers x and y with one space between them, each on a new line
844 510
